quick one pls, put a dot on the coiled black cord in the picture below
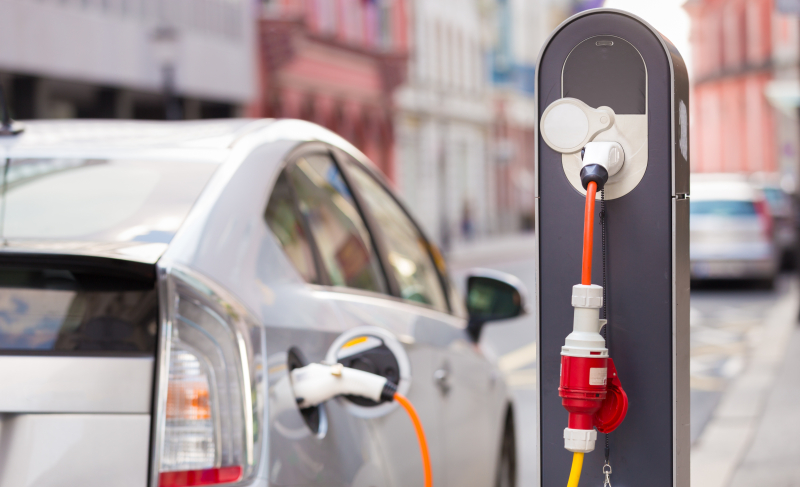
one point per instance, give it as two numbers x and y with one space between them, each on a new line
603 216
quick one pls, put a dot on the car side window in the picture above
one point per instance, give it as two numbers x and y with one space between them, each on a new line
408 252
287 225
336 226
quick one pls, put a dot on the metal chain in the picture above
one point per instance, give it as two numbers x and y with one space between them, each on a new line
603 216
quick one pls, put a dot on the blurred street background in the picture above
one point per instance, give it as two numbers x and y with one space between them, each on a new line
440 95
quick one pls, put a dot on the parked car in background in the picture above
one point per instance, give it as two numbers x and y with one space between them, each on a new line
160 280
732 235
781 208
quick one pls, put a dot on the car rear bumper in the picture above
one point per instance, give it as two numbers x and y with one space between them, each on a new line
733 269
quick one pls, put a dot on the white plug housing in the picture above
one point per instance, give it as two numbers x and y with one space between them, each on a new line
585 339
607 154
587 296
579 441
317 383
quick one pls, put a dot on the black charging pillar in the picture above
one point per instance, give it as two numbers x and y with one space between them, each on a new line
648 250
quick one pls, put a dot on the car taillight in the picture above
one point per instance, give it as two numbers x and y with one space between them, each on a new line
765 217
189 441
210 386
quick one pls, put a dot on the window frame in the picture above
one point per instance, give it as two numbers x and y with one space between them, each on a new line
374 229
321 275
339 158
318 148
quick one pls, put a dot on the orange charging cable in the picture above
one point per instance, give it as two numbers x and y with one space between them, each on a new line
588 234
423 444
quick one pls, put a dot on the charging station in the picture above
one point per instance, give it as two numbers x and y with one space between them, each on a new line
612 107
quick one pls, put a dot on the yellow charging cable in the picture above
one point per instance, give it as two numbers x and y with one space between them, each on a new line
575 473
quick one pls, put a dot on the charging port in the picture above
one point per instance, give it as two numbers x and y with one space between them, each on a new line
369 354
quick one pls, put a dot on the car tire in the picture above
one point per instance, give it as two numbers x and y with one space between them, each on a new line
507 465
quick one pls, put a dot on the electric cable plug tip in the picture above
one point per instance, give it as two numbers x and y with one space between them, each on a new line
388 392
594 173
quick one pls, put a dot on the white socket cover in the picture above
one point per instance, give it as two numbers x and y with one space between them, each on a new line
568 124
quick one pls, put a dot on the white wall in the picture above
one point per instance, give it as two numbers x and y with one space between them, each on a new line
108 43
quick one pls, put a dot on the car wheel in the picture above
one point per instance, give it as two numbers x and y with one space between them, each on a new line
507 467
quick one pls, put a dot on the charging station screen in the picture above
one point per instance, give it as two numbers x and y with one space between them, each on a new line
606 71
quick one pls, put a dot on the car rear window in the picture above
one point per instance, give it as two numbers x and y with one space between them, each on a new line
723 208
100 200
57 311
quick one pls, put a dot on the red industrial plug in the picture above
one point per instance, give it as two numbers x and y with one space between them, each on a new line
590 389
591 392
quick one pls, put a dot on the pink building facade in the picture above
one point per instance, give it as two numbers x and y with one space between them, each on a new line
733 124
335 63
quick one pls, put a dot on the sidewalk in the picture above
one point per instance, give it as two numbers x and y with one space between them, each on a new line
752 436
774 454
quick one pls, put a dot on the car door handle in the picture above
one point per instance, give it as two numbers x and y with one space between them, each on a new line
442 376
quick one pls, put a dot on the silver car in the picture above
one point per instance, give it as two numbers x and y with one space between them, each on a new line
159 281
732 233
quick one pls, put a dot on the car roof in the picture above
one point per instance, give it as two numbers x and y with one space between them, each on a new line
201 139
723 186
223 141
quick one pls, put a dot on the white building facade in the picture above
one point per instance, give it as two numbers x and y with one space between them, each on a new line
444 122
79 58
466 117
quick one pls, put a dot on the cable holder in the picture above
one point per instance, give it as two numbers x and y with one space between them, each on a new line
607 473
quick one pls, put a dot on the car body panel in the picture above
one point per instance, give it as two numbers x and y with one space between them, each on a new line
474 414
118 385
44 450
422 333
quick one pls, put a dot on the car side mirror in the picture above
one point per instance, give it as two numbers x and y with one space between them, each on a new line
492 296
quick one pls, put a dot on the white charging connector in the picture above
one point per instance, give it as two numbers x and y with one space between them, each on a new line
317 383
607 154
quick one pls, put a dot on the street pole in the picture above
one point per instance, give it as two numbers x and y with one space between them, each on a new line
610 84
165 43
172 104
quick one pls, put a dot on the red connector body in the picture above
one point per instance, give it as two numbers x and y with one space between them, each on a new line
591 392
582 389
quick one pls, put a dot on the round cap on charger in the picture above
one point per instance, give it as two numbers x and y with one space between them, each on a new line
568 124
